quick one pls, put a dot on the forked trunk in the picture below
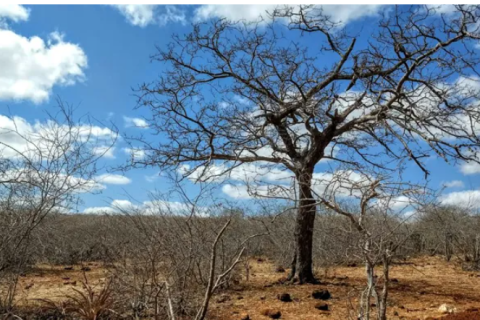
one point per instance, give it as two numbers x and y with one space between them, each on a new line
304 230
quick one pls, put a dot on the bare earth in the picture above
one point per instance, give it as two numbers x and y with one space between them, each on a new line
423 285
420 286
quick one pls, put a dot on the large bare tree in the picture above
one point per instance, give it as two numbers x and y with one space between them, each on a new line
298 88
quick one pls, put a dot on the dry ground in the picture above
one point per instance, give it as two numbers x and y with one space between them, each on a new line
54 283
423 285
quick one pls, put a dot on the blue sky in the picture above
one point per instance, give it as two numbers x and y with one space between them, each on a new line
91 57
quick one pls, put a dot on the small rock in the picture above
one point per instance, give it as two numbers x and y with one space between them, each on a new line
68 268
284 297
279 269
395 313
86 269
245 317
239 297
446 308
272 314
352 265
394 280
263 298
321 306
321 295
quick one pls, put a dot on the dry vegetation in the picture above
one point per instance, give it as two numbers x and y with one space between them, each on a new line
144 267
419 287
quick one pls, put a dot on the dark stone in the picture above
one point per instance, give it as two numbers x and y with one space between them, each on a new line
271 313
86 269
321 295
321 306
280 269
68 268
284 297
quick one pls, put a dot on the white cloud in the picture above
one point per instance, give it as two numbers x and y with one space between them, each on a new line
153 177
138 14
243 191
99 210
155 207
468 168
454 184
442 8
398 203
13 12
466 199
134 153
245 173
104 151
59 181
172 14
142 15
113 179
135 122
31 67
123 205
18 136
339 13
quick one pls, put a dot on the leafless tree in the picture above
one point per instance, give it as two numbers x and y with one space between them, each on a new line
43 169
377 214
236 93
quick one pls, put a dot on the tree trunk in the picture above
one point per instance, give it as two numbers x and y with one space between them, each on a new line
304 228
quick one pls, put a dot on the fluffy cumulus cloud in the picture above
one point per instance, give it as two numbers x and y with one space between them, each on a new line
339 13
469 168
13 12
142 15
108 178
32 66
135 122
466 199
